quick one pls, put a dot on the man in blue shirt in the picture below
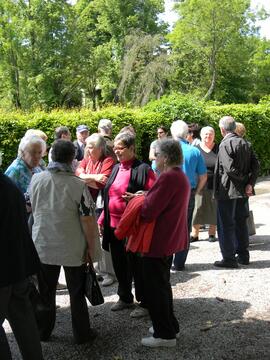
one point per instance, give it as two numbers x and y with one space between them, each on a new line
195 169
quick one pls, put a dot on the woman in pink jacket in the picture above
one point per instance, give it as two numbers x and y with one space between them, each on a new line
167 203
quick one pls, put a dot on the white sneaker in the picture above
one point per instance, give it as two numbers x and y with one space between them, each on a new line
139 312
158 342
151 331
107 280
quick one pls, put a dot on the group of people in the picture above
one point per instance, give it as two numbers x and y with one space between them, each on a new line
96 192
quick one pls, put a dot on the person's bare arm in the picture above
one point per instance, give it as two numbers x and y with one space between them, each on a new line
90 229
152 154
201 183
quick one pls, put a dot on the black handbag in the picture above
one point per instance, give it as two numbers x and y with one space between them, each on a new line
91 288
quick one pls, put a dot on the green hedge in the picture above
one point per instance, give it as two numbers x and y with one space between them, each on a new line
145 120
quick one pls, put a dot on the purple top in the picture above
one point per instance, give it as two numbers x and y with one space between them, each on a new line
167 203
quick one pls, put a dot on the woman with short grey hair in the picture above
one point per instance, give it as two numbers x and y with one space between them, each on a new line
171 151
205 211
30 152
95 169
166 203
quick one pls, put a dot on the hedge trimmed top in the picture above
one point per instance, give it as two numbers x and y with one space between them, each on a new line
145 120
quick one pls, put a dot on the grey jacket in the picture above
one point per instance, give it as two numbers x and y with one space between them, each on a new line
236 167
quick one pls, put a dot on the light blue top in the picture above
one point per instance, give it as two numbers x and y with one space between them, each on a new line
193 164
19 172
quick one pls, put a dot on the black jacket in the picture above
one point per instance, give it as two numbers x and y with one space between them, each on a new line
18 256
79 151
236 167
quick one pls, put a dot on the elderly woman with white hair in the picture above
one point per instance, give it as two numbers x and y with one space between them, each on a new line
205 211
30 152
95 169
166 203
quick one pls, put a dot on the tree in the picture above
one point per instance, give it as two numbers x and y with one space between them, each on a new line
205 43
145 69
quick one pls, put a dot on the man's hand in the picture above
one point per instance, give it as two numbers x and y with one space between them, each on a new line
249 190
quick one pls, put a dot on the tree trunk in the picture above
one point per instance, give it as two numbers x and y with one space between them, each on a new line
15 80
211 89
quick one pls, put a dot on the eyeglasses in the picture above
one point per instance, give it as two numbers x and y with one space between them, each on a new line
157 154
119 148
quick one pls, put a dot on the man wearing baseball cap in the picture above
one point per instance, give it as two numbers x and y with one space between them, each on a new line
82 133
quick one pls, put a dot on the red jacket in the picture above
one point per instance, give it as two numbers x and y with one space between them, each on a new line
139 233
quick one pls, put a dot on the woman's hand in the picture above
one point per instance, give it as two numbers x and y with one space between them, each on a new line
100 230
101 178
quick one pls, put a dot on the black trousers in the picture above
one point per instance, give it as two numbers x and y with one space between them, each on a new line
232 227
158 291
75 278
15 306
127 266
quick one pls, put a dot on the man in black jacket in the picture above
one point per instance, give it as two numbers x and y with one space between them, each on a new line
18 260
82 133
236 172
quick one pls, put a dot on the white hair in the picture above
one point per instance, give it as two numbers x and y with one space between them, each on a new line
97 141
207 128
227 123
105 125
179 129
28 141
36 132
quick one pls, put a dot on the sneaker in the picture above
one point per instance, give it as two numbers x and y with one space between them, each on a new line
107 280
139 312
231 264
121 305
193 239
212 238
158 342
151 331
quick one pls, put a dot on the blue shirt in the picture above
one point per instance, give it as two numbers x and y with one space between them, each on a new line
21 174
193 164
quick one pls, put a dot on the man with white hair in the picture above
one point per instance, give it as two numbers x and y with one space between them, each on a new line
236 172
195 169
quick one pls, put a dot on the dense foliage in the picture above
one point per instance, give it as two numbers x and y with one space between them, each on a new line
92 53
145 120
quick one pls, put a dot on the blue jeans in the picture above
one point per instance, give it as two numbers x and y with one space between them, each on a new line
232 227
181 257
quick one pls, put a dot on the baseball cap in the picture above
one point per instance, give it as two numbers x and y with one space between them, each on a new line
82 128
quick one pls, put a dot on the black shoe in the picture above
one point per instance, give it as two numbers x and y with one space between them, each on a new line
212 238
231 264
243 260
193 239
177 268
91 337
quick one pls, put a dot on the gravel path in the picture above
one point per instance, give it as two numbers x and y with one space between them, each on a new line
223 314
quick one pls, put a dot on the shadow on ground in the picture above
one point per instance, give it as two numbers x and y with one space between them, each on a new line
209 329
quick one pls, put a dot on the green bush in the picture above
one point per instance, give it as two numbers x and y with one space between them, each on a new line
145 121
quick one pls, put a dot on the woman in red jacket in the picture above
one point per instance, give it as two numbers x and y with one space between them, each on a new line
95 169
167 203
